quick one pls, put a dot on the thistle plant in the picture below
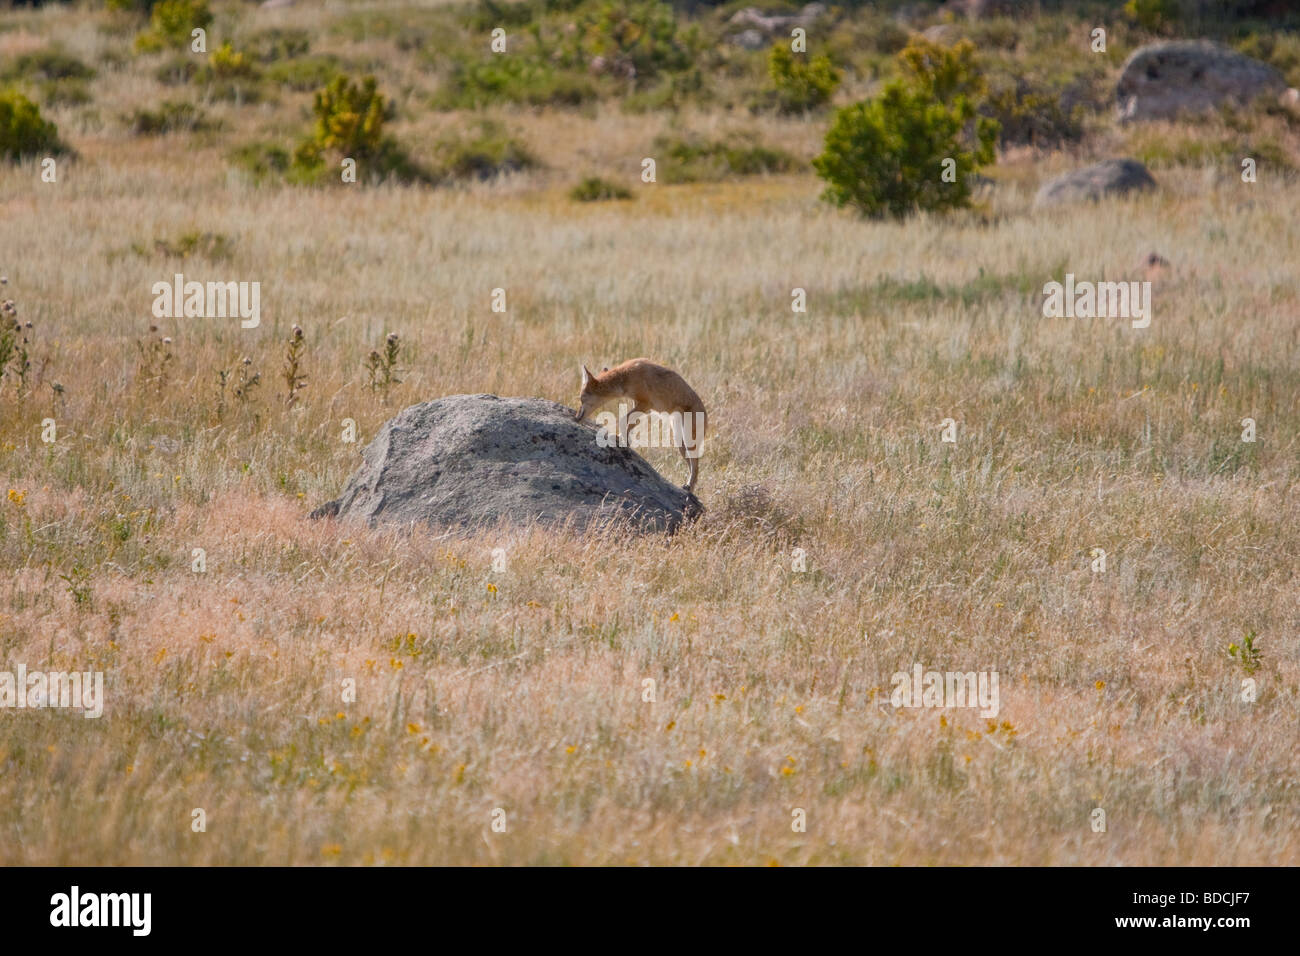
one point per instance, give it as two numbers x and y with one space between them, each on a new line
19 335
246 379
292 374
155 359
239 381
383 367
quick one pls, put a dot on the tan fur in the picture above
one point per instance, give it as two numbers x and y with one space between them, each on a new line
649 388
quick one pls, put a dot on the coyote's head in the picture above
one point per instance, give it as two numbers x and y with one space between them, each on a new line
590 396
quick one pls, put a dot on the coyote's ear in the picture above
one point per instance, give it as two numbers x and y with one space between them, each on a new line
586 376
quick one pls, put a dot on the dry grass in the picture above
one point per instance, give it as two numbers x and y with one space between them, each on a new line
523 691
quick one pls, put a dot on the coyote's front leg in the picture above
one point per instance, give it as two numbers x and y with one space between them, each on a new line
693 464
680 433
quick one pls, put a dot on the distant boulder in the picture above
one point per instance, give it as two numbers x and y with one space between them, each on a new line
469 461
944 34
750 39
1113 177
1162 80
772 23
757 28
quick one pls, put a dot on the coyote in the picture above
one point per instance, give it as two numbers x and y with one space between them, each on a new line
651 388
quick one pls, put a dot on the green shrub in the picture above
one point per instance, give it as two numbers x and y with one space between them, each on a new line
62 78
635 46
945 73
1027 113
262 160
1200 148
863 42
1027 116
305 73
889 36
349 124
1154 15
177 71
276 44
1281 50
226 63
886 156
349 117
372 24
113 58
671 91
694 160
486 15
132 6
595 189
633 39
996 33
23 131
170 117
65 93
230 75
473 84
798 82
487 153
171 23
48 64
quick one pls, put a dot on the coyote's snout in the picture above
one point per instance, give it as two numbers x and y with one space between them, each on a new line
651 388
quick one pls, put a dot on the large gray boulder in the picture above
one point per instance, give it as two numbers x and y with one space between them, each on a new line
1162 80
470 461
1112 177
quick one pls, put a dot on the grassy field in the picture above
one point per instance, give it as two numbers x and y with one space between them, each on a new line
523 691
